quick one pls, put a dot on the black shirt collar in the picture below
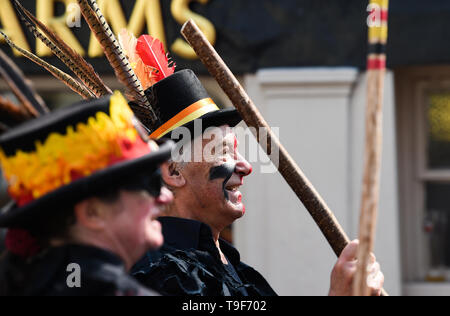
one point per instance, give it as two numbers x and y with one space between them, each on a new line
93 253
78 252
184 234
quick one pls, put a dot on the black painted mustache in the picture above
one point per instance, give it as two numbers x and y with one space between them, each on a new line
225 172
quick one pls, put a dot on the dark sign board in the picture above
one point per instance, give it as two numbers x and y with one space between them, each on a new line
254 34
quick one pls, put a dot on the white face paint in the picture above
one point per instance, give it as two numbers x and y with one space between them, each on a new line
213 184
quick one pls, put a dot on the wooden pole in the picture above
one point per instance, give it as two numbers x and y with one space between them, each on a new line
317 207
376 71
291 172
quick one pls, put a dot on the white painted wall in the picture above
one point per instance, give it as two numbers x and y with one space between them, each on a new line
320 113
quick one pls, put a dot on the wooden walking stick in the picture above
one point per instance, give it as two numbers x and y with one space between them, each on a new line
291 172
376 70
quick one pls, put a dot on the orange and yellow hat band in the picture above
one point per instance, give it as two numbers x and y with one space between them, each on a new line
192 112
85 148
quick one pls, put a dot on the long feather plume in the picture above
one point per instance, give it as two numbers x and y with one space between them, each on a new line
115 55
117 59
21 87
11 113
77 64
57 73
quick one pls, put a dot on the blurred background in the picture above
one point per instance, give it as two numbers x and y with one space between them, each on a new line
303 63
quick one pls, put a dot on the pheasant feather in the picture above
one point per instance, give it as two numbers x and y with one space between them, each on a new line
77 64
117 59
57 73
11 113
21 87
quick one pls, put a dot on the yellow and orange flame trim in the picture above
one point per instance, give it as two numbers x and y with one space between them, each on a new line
61 159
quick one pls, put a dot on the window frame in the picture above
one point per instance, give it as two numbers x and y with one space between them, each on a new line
413 86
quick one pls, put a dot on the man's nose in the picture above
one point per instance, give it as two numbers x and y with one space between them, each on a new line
243 167
165 197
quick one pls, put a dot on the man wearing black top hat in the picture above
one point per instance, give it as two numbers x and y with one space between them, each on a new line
86 187
194 260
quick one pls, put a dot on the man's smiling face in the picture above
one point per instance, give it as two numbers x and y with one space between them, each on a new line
213 184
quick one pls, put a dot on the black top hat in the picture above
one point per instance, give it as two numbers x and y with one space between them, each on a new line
63 157
181 99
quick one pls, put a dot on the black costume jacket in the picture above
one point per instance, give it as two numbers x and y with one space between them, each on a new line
102 274
189 263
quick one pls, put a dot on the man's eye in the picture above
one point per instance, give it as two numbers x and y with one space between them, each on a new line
227 150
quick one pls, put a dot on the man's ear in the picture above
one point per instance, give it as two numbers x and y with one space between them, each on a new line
172 176
90 214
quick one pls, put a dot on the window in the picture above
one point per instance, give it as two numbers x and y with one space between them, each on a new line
435 156
423 117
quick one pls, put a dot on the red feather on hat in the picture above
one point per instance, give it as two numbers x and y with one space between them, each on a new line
151 51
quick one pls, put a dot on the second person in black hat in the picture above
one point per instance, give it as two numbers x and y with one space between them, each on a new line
86 189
